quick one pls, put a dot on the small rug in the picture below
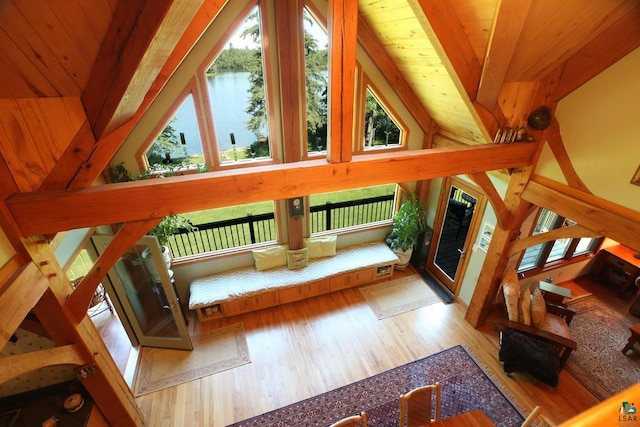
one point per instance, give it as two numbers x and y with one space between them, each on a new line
465 387
598 363
214 351
387 299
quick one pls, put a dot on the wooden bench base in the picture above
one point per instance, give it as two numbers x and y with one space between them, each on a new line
295 293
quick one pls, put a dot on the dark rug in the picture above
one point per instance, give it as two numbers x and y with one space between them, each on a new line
465 387
598 363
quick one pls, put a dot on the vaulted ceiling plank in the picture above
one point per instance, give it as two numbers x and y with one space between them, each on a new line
503 215
342 22
616 42
604 217
507 26
141 37
125 238
387 66
140 200
554 139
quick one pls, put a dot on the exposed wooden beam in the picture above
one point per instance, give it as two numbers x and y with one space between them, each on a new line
451 38
291 61
602 216
19 296
125 238
342 22
14 366
554 138
614 43
503 215
139 40
507 26
141 200
569 232
374 48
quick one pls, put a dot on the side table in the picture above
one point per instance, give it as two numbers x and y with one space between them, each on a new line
553 293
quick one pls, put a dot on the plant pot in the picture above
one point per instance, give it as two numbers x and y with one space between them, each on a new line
150 263
403 258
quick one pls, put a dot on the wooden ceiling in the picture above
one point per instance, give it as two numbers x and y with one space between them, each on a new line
49 49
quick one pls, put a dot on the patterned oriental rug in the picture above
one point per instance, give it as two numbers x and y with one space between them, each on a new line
598 363
465 387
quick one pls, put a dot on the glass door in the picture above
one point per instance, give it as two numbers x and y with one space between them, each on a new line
455 227
146 295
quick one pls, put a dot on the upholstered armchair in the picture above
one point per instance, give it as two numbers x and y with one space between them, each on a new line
538 321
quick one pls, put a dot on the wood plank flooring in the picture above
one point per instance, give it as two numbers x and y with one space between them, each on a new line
306 348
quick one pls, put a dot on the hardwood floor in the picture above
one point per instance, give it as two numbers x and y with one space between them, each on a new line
306 348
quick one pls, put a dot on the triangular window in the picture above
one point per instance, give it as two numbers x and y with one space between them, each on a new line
381 129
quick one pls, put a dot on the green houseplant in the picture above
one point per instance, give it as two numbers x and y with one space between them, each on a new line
408 223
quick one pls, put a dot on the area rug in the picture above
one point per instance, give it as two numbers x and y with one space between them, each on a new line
398 296
598 363
465 387
214 351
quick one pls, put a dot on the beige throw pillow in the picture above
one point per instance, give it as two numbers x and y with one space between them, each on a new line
525 306
538 308
511 299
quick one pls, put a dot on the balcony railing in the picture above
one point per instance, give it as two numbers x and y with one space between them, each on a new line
252 229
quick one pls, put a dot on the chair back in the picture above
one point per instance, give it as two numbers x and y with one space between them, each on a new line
355 421
532 417
420 406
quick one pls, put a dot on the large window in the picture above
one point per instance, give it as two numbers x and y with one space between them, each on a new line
316 74
351 208
547 254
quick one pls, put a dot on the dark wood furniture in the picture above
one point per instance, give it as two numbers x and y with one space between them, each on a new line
633 339
617 266
554 294
562 345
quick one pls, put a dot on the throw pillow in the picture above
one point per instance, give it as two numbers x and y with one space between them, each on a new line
320 247
538 308
270 257
511 299
526 307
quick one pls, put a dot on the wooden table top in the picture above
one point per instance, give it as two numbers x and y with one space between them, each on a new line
475 418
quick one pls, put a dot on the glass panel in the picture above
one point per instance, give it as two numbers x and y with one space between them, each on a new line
316 68
180 141
560 246
454 231
585 245
381 130
238 98
147 299
226 228
342 209
531 258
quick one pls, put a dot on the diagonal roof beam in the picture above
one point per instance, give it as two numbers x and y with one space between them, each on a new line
155 198
507 27
442 26
139 40
602 52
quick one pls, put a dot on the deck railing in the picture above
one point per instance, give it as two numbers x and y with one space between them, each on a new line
252 229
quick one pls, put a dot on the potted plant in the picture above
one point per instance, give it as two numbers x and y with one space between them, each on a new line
408 223
167 226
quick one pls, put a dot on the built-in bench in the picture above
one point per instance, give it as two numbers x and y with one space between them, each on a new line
248 289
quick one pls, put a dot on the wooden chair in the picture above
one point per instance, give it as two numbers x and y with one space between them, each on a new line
417 405
355 421
532 417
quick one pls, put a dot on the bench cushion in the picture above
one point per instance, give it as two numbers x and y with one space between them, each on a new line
247 281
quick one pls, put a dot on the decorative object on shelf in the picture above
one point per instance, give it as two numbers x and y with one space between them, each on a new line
511 134
408 223
296 206
540 118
